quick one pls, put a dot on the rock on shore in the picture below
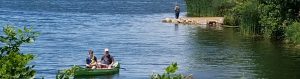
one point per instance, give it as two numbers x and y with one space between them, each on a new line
196 20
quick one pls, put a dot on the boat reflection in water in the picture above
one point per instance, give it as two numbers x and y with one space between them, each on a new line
98 77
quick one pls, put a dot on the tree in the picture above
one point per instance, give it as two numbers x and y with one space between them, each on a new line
293 34
276 14
13 62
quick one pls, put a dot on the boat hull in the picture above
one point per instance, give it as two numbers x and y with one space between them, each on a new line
97 72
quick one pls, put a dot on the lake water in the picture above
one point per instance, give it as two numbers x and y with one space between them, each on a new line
136 37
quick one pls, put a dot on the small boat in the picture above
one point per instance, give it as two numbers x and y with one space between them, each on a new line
98 72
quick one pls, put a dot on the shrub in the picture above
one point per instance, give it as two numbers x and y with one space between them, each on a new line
231 20
13 63
170 73
293 33
67 73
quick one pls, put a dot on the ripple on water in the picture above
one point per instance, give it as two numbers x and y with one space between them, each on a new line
139 41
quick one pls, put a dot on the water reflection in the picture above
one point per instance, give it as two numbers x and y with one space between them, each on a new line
98 77
274 61
223 53
176 27
218 52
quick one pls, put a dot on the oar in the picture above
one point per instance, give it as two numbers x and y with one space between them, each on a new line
123 68
81 65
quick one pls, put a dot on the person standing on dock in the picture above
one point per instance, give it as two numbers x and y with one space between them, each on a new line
177 11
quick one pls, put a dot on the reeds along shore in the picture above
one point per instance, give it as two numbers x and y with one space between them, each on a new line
206 8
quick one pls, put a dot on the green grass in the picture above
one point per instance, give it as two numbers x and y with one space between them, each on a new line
207 8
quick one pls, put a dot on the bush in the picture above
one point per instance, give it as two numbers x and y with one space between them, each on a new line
13 63
293 33
67 73
170 73
231 20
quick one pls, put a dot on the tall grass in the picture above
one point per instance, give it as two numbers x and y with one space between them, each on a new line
249 18
207 7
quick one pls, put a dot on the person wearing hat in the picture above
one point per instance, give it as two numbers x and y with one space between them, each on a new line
106 60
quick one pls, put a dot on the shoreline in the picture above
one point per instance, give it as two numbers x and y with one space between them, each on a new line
210 21
196 20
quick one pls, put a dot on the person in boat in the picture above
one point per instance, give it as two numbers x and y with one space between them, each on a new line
106 60
177 11
91 60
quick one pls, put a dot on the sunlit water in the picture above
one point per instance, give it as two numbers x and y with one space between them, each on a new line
133 31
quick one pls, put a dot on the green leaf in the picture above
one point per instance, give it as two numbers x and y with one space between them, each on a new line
20 31
172 68
15 63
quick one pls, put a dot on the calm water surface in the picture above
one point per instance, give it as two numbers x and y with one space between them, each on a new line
136 37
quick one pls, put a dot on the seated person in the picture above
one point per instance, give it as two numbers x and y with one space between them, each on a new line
106 60
91 61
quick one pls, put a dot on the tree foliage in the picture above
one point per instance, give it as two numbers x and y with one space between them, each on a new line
67 73
293 34
170 73
13 62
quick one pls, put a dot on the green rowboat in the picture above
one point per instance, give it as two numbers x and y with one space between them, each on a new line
98 72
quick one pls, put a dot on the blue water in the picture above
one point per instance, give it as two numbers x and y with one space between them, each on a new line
133 31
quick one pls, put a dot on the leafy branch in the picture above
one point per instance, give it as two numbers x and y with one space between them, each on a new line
170 73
